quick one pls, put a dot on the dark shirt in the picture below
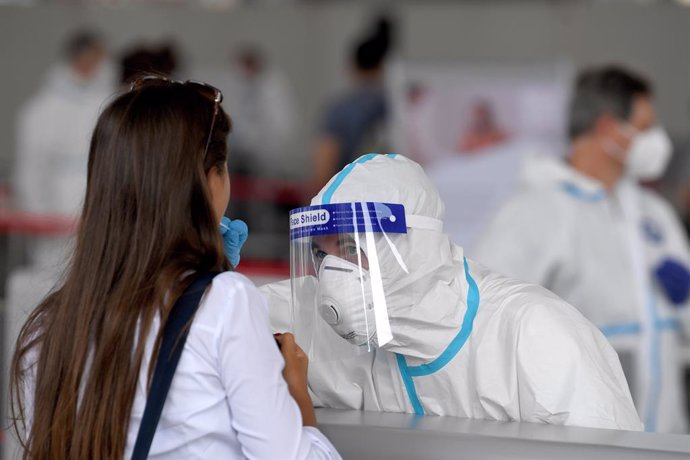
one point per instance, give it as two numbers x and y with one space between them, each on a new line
353 117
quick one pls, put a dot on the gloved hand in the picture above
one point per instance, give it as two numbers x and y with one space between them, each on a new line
234 233
674 278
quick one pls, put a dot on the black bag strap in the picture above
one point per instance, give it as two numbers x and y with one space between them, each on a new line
172 343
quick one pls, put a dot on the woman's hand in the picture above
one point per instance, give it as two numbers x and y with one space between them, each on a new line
295 374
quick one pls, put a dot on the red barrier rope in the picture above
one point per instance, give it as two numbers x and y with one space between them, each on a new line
271 268
24 223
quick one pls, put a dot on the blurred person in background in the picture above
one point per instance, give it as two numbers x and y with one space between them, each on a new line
354 121
52 135
415 98
162 60
585 229
261 100
483 131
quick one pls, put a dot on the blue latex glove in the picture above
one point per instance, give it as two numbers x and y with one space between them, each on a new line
234 233
674 278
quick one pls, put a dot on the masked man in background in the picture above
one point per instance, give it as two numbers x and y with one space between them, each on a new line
586 230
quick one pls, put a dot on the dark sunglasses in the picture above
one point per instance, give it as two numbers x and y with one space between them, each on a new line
211 93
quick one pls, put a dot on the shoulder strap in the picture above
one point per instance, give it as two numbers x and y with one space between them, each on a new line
172 343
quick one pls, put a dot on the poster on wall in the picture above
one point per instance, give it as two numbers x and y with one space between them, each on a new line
471 125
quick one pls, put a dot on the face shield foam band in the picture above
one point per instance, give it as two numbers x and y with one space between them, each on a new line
331 219
343 217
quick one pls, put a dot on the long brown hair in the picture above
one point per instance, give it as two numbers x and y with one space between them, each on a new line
146 224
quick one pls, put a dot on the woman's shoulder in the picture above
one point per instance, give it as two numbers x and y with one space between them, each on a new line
233 282
231 298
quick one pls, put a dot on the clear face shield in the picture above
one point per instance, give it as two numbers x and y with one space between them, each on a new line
343 259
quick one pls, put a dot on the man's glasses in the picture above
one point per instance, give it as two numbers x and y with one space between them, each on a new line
211 93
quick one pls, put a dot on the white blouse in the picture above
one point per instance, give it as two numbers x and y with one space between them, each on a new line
228 399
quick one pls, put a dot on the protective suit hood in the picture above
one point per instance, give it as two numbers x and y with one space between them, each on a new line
429 301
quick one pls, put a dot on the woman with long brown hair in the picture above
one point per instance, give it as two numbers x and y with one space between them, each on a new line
157 188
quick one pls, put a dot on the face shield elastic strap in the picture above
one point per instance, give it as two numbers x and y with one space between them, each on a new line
424 223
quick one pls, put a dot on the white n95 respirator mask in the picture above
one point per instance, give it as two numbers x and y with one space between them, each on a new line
649 154
345 301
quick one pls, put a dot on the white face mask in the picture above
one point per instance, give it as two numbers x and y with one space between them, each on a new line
649 154
345 300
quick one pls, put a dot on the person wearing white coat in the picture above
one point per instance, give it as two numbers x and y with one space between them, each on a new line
264 109
587 231
52 143
465 341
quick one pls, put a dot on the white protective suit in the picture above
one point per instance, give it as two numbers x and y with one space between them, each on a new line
597 250
466 341
53 134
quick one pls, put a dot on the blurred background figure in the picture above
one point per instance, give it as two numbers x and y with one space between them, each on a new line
49 176
585 229
143 59
483 131
264 113
412 126
53 134
354 121
471 124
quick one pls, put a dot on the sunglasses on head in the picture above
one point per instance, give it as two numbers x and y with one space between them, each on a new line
211 93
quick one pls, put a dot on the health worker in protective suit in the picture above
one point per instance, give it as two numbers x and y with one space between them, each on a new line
585 229
53 137
396 319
